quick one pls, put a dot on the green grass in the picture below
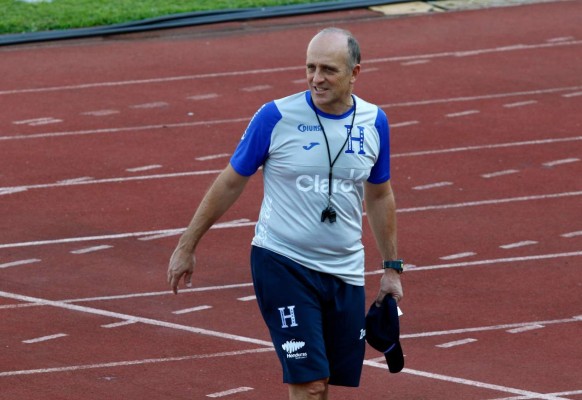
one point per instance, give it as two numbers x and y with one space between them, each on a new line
19 17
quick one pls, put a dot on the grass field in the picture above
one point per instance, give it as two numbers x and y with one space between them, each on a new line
20 16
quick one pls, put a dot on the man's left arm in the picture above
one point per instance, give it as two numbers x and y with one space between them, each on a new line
381 211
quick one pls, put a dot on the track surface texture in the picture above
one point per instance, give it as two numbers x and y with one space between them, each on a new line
107 145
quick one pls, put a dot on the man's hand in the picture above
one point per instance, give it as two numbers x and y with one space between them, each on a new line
181 264
390 285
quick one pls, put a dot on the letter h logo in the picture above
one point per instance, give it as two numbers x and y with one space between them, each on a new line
290 316
352 139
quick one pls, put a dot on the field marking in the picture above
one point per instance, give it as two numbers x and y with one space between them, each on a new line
125 317
82 367
45 338
374 272
399 59
520 103
571 234
456 343
18 263
144 168
91 249
432 185
213 157
458 255
462 113
469 382
229 392
499 173
118 324
560 162
518 244
193 309
525 328
247 223
491 96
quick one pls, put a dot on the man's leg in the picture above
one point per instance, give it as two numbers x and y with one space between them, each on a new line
316 390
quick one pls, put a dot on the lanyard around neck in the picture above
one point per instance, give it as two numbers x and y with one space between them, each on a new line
331 163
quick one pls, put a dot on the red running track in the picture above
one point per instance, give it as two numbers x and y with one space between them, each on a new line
108 144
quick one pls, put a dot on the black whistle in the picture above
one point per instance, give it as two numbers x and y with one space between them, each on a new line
330 213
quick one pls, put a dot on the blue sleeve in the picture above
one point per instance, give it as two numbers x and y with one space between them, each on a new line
381 170
253 148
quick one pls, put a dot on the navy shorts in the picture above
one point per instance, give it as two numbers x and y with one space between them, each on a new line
316 321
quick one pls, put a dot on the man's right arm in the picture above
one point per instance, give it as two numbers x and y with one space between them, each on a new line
225 190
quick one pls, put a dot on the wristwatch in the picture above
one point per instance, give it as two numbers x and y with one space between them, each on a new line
394 264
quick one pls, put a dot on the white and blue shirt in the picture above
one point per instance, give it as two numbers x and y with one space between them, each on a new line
286 138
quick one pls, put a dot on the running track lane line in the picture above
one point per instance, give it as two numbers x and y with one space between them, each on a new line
178 231
469 382
126 317
461 53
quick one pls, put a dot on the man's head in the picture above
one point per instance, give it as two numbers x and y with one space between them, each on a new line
333 64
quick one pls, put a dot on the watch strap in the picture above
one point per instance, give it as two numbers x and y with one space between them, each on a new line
397 265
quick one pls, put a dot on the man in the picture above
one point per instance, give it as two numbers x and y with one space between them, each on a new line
323 152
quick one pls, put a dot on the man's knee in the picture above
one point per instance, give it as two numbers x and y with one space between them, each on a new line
311 390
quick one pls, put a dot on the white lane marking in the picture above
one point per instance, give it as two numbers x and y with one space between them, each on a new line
468 382
72 181
5 191
462 53
118 324
18 263
212 157
560 162
525 328
144 128
432 185
567 393
199 97
499 173
488 328
257 88
100 113
456 343
414 62
147 321
252 223
488 202
229 392
571 234
45 338
458 255
487 262
157 104
161 235
403 124
518 244
144 168
247 298
462 113
575 94
482 97
520 103
193 309
74 368
486 147
91 249
38 121
560 39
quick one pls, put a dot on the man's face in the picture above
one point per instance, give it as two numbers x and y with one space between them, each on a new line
329 77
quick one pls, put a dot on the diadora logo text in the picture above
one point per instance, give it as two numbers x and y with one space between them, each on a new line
308 128
317 184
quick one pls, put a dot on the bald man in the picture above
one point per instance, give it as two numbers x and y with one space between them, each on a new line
325 153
